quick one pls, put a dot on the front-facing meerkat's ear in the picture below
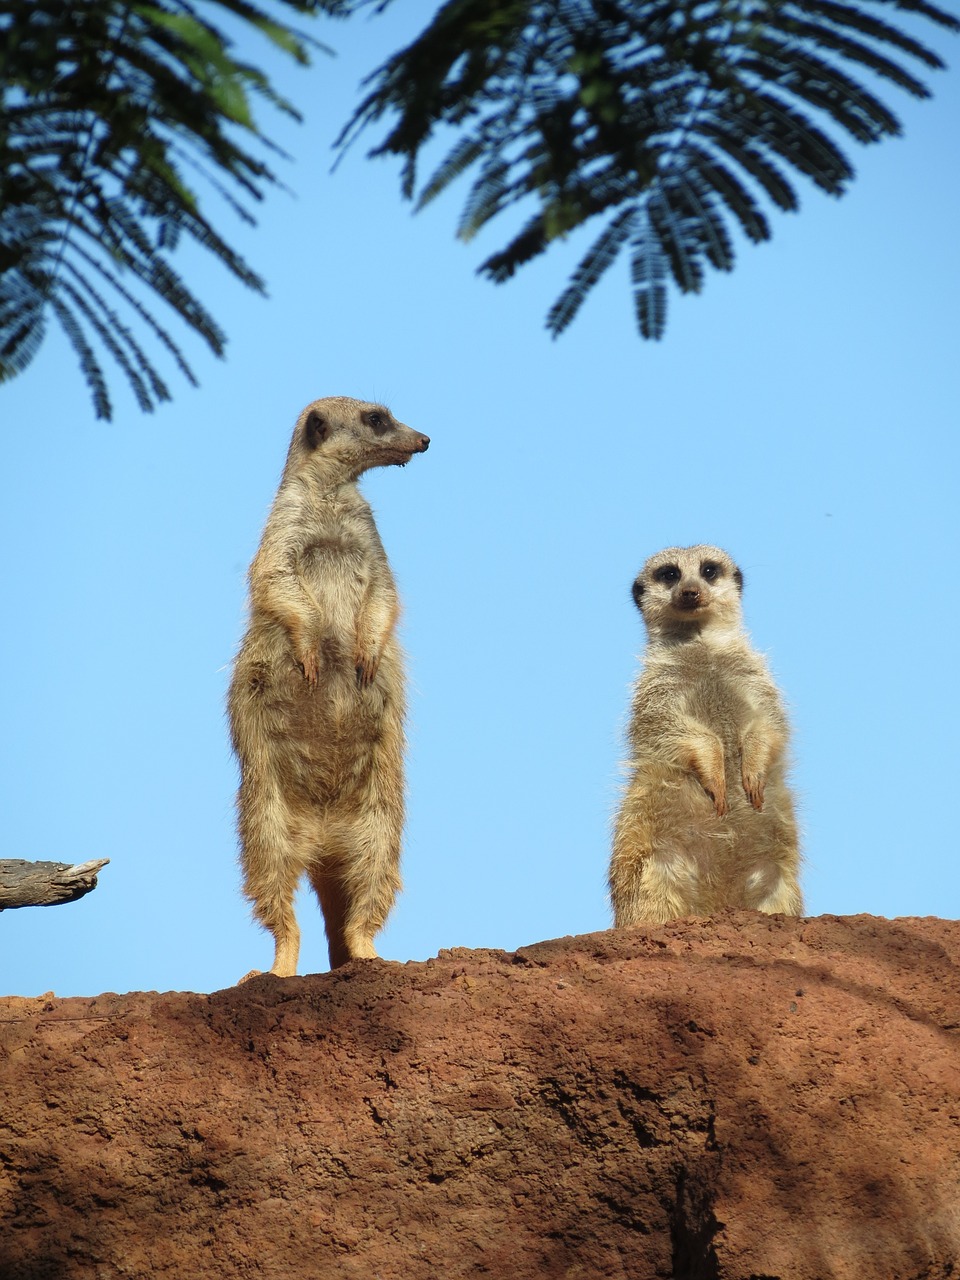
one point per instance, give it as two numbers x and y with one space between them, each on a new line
637 592
315 429
738 579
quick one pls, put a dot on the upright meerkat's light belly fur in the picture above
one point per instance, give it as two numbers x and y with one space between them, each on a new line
317 697
707 816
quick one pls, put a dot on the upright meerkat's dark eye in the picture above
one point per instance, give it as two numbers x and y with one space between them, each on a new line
710 570
378 422
667 573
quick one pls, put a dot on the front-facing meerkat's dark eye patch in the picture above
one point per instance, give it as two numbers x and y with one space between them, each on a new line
666 574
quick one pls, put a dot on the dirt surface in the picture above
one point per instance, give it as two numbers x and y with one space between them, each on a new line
741 1098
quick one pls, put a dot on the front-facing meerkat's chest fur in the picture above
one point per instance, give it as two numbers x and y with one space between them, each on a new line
715 686
706 819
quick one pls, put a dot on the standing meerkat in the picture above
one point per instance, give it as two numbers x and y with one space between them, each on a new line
316 701
707 817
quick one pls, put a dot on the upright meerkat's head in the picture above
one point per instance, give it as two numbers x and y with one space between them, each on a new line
684 591
351 436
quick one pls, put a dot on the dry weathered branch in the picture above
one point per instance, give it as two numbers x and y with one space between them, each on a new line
45 884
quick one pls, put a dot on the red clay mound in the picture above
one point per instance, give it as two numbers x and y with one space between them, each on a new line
740 1098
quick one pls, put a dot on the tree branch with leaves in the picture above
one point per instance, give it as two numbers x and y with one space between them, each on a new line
675 124
107 107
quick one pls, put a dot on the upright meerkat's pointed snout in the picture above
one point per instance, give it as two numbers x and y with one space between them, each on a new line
418 444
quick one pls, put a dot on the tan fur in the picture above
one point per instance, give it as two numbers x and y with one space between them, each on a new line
707 817
317 697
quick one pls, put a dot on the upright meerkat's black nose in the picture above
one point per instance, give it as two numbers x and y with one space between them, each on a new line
424 444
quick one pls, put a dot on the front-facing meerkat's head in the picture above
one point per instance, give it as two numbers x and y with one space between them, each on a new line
684 590
352 436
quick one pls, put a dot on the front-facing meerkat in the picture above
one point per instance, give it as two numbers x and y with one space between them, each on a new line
317 696
707 817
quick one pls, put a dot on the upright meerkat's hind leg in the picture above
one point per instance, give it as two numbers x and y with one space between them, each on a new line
650 891
358 887
647 885
373 880
631 848
272 868
669 886
332 894
783 897
774 888
364 837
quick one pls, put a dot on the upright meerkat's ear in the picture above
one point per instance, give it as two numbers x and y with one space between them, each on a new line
315 429
637 592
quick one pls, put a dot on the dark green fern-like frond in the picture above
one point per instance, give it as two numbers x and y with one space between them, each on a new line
104 106
109 336
136 305
648 275
833 14
674 123
22 318
458 161
820 35
527 244
120 340
89 365
670 223
707 216
751 157
487 196
601 255
719 183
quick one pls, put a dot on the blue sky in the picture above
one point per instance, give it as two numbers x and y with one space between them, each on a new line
802 413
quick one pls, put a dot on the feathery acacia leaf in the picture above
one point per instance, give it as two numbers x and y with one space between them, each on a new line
648 276
530 242
89 365
735 196
821 36
601 255
707 218
869 24
458 161
676 120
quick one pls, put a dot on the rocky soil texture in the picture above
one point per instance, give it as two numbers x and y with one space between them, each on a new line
740 1098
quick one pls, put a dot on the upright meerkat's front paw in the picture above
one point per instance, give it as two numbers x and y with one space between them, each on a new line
715 785
718 794
705 759
753 789
759 744
367 666
310 663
